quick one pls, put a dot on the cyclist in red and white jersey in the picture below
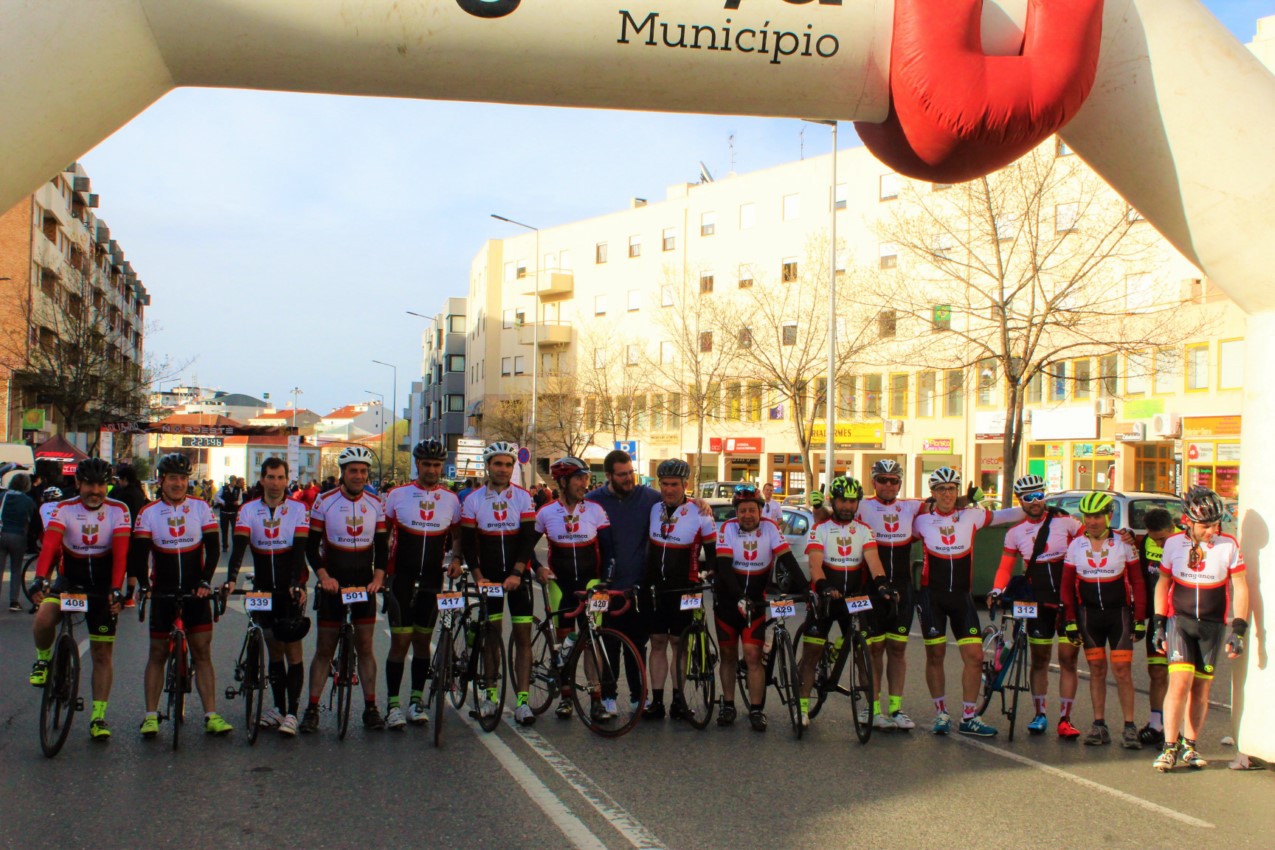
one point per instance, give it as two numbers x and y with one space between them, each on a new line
1042 561
890 519
424 518
1201 576
945 596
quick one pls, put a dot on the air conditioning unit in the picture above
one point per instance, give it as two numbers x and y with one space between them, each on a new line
1027 417
1166 425
894 426
1104 407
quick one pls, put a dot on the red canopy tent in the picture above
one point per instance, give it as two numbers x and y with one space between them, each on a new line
58 450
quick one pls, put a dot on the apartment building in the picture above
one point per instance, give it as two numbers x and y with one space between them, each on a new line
437 405
67 292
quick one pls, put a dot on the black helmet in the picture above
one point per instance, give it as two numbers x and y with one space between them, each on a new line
93 471
1200 504
291 629
429 450
673 468
173 464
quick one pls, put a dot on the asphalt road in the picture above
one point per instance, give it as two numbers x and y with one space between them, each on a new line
663 785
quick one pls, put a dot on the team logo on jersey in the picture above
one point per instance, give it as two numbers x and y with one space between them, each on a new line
271 528
947 533
101 516
571 523
354 525
750 550
88 534
500 511
666 526
891 522
176 526
845 546
1096 562
427 510
683 511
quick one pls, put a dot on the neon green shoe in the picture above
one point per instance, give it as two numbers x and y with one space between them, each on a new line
150 726
39 673
99 731
215 725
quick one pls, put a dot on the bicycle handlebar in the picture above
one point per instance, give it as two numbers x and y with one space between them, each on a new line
584 600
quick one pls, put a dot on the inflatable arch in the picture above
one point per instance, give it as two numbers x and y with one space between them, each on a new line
1155 94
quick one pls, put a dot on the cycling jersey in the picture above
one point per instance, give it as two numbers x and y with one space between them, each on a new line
1046 575
1102 574
949 545
575 539
180 541
892 528
1151 552
46 512
747 558
843 548
93 544
348 537
496 529
422 521
1201 585
277 537
676 534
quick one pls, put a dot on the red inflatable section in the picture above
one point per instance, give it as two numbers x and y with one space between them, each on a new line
957 113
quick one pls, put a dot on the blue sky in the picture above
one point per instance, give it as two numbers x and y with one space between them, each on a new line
283 236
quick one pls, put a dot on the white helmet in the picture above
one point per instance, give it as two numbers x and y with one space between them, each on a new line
500 447
944 475
1028 484
354 454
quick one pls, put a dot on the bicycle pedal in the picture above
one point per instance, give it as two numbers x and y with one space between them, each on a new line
239 674
231 693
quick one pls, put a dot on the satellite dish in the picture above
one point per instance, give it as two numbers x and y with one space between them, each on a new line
704 175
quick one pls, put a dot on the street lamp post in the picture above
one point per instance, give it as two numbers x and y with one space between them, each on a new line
393 417
830 388
296 391
381 396
535 338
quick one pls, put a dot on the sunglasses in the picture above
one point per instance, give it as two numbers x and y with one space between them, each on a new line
1032 497
884 479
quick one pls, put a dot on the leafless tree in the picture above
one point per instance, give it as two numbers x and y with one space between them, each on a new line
612 375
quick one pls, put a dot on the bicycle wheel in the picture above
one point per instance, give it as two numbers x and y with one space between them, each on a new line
697 667
442 682
786 678
993 657
860 663
596 672
61 692
344 681
254 681
462 648
176 677
28 570
1017 680
823 681
546 674
489 674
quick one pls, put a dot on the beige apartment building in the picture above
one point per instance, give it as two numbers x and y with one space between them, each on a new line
1125 419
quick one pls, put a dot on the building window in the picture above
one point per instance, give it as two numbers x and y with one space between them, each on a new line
872 396
1082 379
635 246
455 403
1006 227
1167 366
600 253
520 365
510 272
708 223
1230 364
1108 366
632 355
599 358
455 363
705 282
666 352
745 277
899 395
926 383
889 187
746 337
507 319
789 332
988 372
521 269
455 324
1137 367
887 323
657 411
734 402
941 317
845 397
839 197
1197 367
889 255
1065 217
564 260
506 365
599 305
1139 291
668 239
954 392
635 300
1035 389
666 295
706 341
792 207
788 270
1057 381
747 216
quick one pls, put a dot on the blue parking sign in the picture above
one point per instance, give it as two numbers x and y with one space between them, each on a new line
630 447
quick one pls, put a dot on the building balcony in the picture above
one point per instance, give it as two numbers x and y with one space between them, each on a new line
554 282
546 334
52 202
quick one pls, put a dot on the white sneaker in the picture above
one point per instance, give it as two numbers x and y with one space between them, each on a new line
609 705
863 716
270 719
417 714
902 721
885 724
524 715
394 719
289 725
487 708
804 720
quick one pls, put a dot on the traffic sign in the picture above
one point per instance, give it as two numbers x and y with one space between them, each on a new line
630 447
451 470
524 455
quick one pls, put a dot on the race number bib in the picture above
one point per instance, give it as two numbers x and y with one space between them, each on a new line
76 602
352 595
257 602
450 602
1024 610
858 604
494 589
783 608
599 603
692 601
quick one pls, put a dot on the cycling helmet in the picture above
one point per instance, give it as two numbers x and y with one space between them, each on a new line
886 466
846 488
291 630
498 448
354 454
1028 484
673 468
94 471
52 494
944 475
1200 504
173 464
567 467
429 450
747 493
1096 502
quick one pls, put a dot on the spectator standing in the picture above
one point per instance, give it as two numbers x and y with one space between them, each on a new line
16 509
229 498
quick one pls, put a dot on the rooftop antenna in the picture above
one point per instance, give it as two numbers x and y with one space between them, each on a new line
801 143
730 143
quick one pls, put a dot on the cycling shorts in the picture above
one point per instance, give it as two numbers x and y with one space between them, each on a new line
1194 645
418 597
282 607
731 626
895 622
938 608
832 612
1103 628
331 611
1154 656
196 616
562 595
98 619
1047 625
662 612
519 602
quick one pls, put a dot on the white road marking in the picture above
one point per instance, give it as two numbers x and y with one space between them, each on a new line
602 802
83 645
1086 783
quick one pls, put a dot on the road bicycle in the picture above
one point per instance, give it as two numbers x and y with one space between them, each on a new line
595 668
848 650
179 670
60 697
444 675
1005 668
252 672
547 655
778 656
343 669
696 663
478 657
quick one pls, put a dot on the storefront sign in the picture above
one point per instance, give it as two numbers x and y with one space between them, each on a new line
989 424
736 445
1228 452
1065 423
942 445
33 419
1131 432
1143 408
662 439
1200 452
1210 426
851 435
1054 450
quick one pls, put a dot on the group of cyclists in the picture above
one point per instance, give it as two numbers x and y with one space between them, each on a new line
1096 587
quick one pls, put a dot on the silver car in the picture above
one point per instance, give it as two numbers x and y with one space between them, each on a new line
1130 508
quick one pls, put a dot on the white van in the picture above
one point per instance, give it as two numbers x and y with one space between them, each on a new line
19 453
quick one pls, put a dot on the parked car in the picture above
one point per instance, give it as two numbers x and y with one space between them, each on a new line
717 489
795 526
1130 508
723 509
